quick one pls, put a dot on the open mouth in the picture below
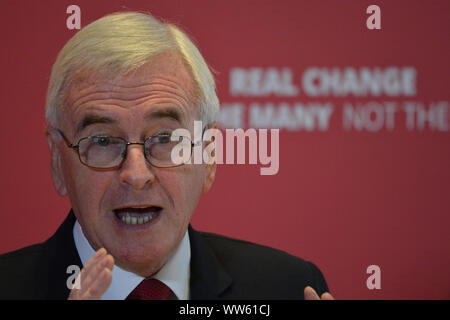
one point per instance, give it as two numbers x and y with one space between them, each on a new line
137 215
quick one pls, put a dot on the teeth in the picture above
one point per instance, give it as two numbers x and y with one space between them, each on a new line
137 220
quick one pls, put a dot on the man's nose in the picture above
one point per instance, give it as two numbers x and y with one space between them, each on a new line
136 171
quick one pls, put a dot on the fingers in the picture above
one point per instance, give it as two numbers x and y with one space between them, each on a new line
311 294
95 277
91 263
99 286
327 296
104 261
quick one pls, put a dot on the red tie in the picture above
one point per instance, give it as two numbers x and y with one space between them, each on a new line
151 289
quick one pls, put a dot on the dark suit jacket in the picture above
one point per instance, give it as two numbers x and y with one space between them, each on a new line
221 268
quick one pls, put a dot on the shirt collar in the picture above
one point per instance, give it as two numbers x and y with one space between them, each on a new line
175 273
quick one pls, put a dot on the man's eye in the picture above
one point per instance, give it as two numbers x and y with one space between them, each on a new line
102 141
164 138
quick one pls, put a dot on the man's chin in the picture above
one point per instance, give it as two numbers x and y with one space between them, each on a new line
140 248
142 261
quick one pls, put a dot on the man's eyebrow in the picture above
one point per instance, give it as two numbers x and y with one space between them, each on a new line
91 119
164 113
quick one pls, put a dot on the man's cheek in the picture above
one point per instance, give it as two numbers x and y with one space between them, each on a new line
90 188
190 191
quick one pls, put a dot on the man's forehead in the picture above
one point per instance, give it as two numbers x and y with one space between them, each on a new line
165 71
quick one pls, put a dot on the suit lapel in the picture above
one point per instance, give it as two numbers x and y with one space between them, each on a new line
61 253
209 279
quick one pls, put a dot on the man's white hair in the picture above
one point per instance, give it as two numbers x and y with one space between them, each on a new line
120 43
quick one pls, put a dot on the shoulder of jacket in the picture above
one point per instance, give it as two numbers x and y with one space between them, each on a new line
25 252
229 249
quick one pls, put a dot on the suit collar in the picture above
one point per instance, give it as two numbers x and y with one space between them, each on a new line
209 279
61 253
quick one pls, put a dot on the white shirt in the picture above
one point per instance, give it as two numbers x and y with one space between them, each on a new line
174 274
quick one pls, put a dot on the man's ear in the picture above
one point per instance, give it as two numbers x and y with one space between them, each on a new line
210 168
210 176
54 140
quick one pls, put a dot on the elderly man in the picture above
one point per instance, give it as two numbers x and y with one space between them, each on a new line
118 90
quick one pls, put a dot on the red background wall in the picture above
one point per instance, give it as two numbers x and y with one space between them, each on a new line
344 199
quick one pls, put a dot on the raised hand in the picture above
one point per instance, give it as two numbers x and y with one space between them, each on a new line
310 294
95 277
